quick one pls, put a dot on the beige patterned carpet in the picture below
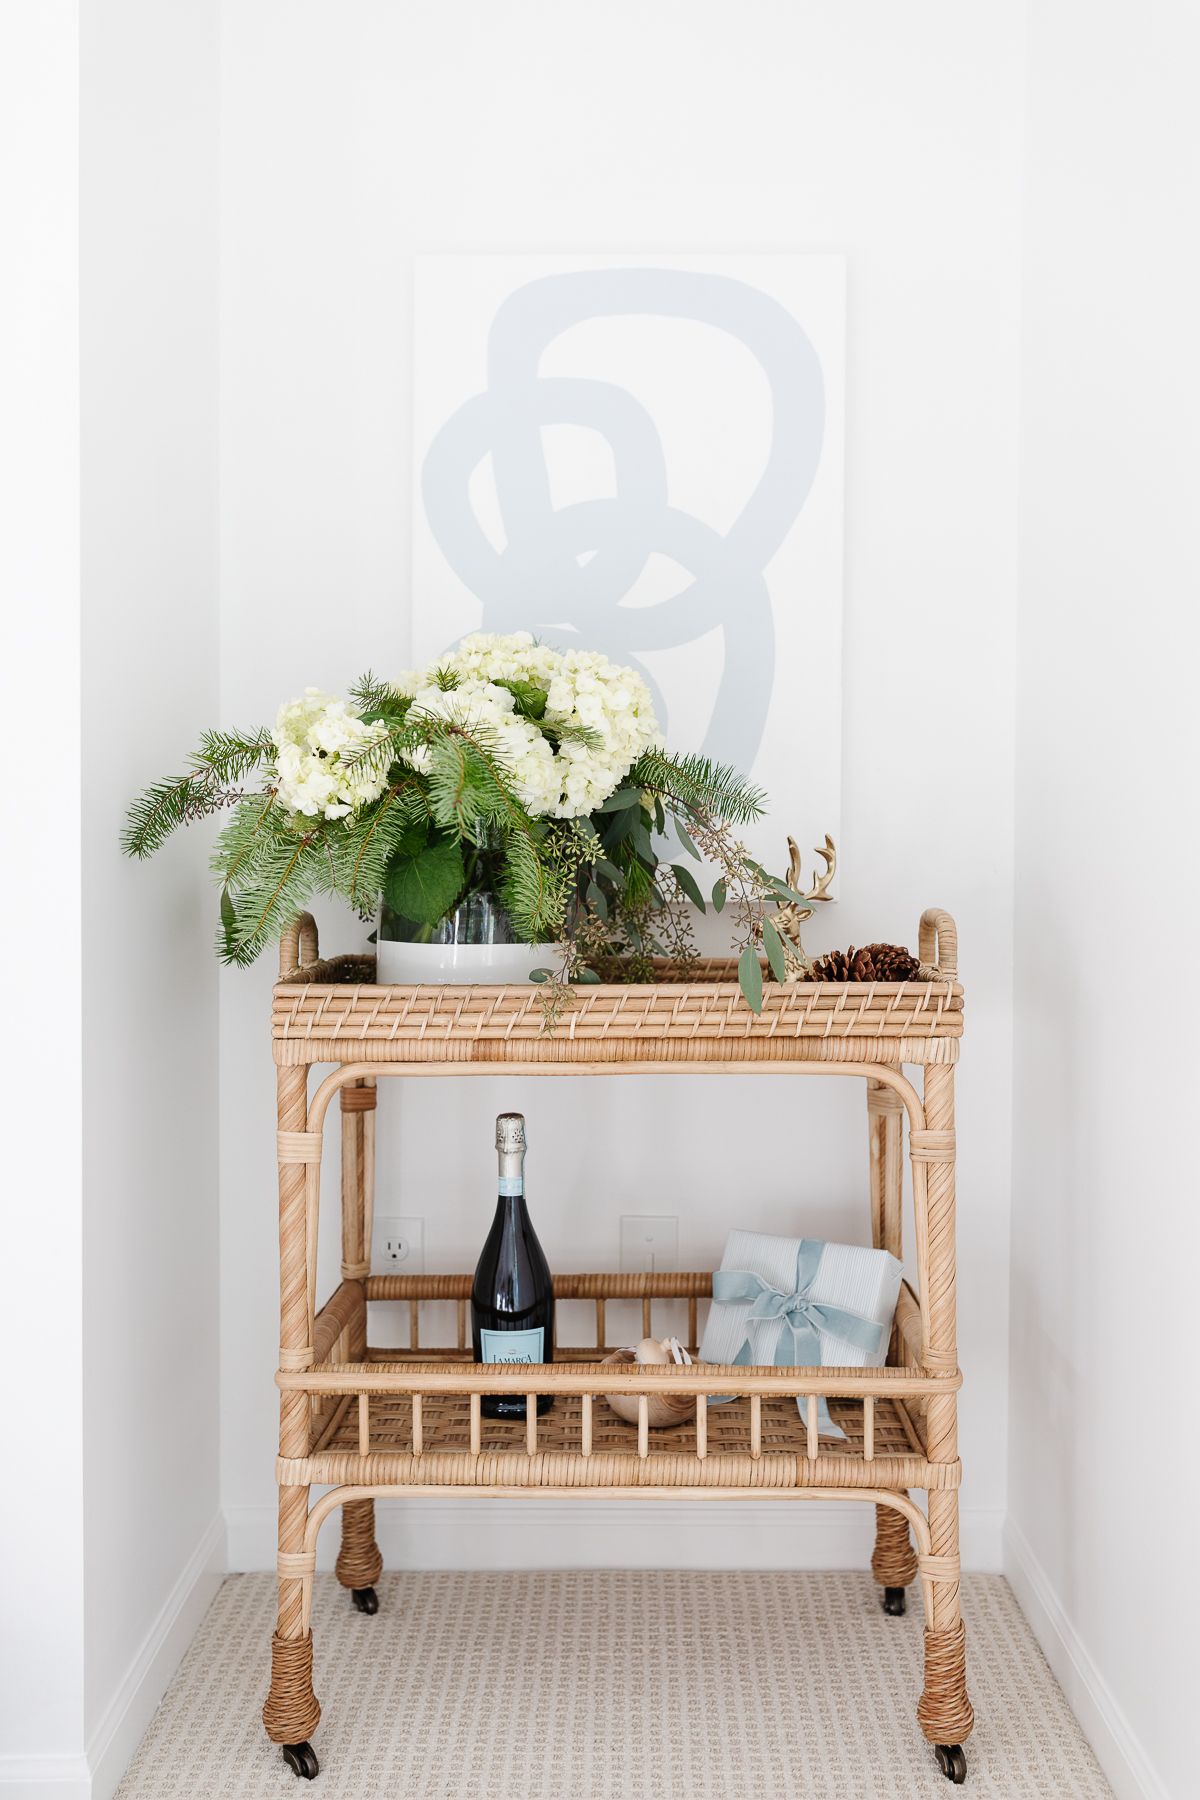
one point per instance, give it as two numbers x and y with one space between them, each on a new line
612 1686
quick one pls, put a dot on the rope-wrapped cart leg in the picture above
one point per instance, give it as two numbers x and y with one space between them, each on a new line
893 1561
291 1711
944 1711
359 1563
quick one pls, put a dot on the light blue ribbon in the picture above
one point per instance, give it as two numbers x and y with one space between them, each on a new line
803 1318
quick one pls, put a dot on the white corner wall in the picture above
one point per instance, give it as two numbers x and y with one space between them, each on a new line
41 1523
153 1535
1101 1524
108 333
350 142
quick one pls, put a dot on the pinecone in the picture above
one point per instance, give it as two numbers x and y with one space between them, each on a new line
888 962
836 966
874 962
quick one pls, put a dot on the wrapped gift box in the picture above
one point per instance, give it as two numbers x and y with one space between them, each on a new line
787 1302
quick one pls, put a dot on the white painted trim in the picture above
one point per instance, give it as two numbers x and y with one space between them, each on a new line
610 1534
133 1705
1101 1717
45 1777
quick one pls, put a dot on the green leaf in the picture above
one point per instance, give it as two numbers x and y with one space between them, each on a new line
530 699
541 974
718 895
689 884
604 867
414 840
596 900
587 976
685 841
660 817
750 978
619 826
228 921
424 887
785 892
773 945
626 796
640 839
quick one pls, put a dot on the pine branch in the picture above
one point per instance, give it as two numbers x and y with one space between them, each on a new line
246 836
376 756
232 754
223 757
155 814
374 696
362 850
704 787
277 885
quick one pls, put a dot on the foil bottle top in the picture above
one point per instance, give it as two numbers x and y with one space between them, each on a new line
510 1133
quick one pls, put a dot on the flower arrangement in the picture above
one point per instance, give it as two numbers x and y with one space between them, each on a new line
537 773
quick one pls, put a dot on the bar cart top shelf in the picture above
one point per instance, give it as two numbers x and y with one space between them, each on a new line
332 1011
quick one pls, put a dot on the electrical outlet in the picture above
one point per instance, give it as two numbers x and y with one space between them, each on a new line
398 1246
649 1241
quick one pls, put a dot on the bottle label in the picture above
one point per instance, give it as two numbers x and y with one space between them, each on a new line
511 1185
513 1346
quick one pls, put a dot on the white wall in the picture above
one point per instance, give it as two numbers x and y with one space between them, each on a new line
351 142
1101 1528
109 335
149 252
41 1500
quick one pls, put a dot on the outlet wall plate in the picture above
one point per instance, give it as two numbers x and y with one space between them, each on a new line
398 1245
649 1241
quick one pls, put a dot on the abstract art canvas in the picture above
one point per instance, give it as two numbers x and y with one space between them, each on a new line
643 455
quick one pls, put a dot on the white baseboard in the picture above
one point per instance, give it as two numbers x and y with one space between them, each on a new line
132 1706
612 1534
1101 1718
45 1777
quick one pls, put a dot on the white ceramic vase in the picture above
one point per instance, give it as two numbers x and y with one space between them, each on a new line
472 944
488 964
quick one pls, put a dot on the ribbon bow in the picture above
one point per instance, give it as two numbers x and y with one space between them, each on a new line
803 1318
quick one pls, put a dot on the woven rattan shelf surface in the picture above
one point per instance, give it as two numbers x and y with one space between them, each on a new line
446 1458
698 1018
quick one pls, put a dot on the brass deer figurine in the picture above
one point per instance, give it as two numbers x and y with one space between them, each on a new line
790 916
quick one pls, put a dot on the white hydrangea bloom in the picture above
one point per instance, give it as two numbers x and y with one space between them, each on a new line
583 691
311 735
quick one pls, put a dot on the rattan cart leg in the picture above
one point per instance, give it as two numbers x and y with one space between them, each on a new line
291 1711
885 1120
359 1563
893 1561
944 1711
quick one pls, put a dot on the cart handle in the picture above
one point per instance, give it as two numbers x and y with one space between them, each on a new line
297 945
938 946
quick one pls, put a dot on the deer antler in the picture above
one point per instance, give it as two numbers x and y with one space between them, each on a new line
818 891
829 855
789 917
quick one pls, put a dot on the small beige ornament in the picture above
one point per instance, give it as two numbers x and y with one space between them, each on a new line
791 915
664 1409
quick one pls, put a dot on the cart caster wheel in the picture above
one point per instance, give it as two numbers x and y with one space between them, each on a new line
894 1602
301 1759
365 1599
951 1762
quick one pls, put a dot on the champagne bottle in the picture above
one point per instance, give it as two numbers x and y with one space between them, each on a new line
512 1297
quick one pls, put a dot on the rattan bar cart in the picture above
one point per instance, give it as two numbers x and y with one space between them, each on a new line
368 1422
